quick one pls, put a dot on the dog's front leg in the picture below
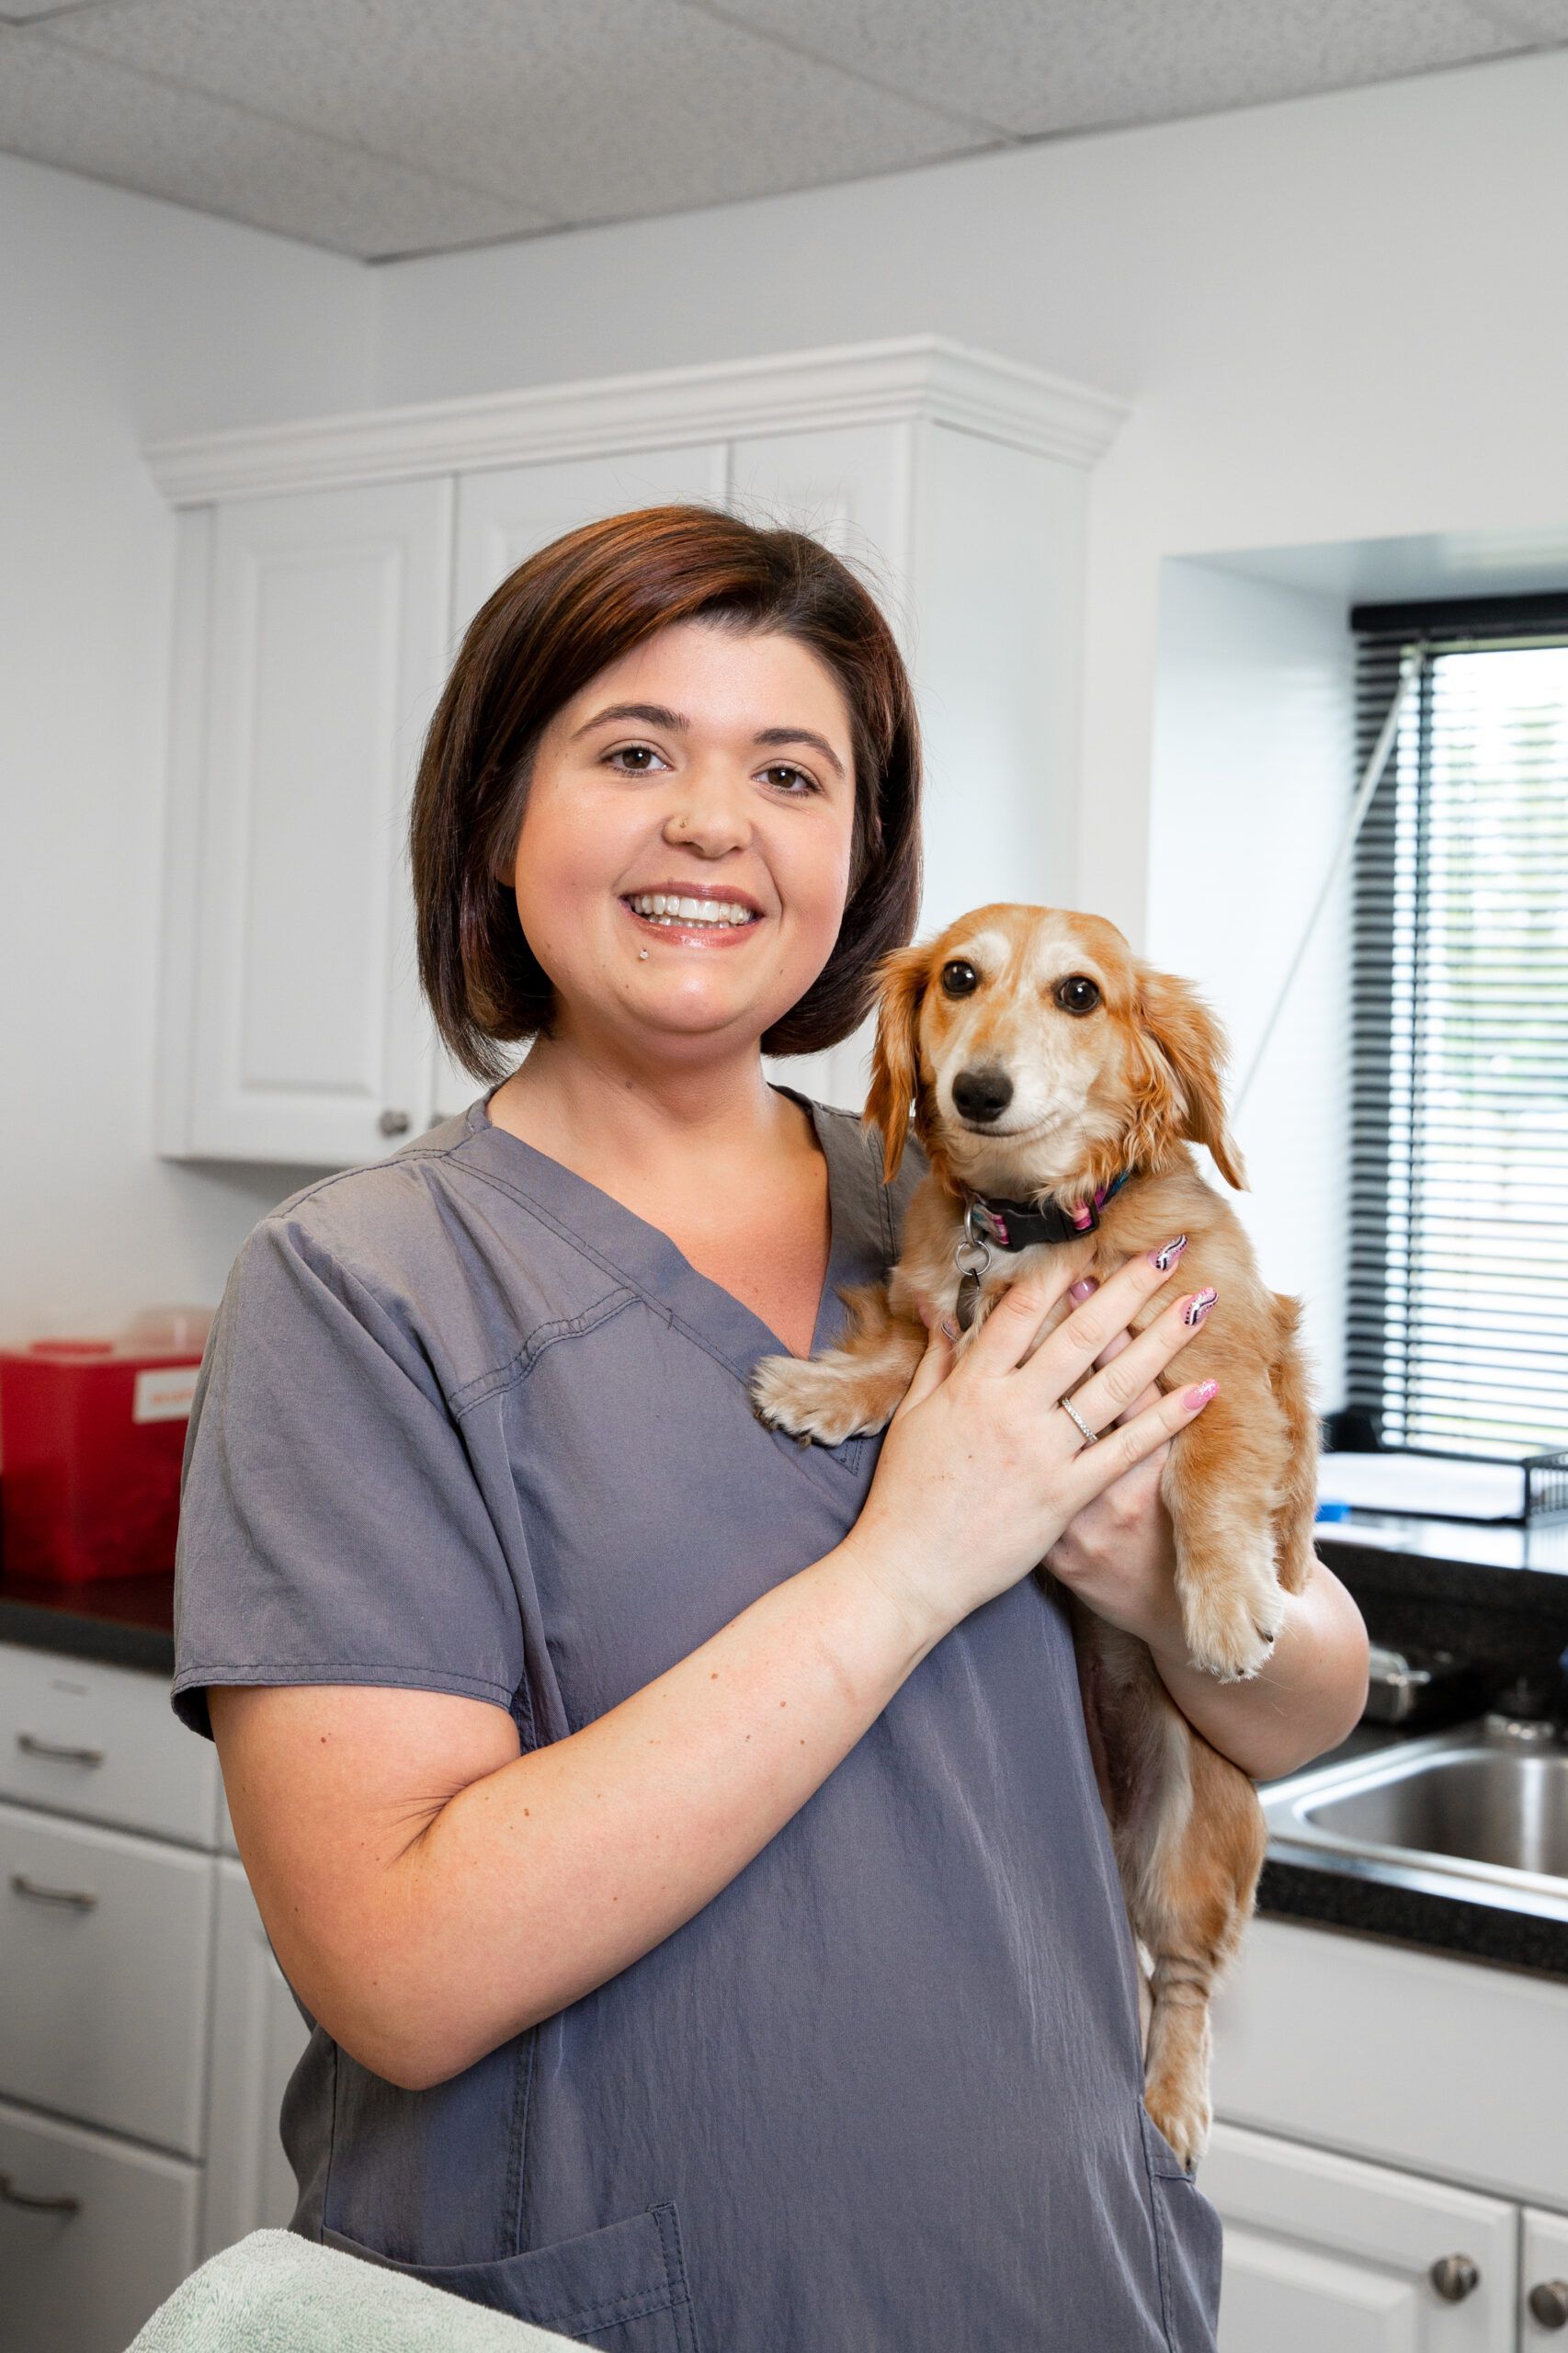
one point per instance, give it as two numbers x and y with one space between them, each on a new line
1220 1487
849 1390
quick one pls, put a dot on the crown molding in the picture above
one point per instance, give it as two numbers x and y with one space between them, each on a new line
907 377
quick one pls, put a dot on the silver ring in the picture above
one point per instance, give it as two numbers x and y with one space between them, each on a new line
1068 1407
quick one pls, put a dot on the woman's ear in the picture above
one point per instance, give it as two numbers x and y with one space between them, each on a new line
901 980
1178 1066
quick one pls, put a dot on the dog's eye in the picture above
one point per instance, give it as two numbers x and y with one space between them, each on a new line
958 978
1078 994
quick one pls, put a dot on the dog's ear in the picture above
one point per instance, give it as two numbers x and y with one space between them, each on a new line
1178 1072
901 981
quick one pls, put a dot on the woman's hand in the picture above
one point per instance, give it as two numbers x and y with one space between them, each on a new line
979 1470
1118 1555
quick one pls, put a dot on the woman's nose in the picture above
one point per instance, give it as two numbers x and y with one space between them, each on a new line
713 817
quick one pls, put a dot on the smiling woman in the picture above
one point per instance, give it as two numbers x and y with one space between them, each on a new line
711 1939
720 644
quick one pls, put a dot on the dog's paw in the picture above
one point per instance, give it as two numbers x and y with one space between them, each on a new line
1233 1619
806 1400
1184 2115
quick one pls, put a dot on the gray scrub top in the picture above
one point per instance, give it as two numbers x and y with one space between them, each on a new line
465 1424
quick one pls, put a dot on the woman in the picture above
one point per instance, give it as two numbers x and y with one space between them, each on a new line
685 1843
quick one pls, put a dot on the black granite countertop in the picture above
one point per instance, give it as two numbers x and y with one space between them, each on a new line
123 1621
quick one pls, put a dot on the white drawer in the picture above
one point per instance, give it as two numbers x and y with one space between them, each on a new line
113 2236
102 1743
105 1958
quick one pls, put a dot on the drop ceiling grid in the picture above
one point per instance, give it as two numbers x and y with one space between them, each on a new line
382 128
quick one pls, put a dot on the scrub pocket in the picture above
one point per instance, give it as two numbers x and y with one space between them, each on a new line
622 2288
1186 2245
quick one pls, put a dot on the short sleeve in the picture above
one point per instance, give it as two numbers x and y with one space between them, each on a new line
332 1526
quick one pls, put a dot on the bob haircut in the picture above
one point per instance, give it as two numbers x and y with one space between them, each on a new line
572 608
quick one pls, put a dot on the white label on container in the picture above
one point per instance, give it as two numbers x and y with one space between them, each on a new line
164 1396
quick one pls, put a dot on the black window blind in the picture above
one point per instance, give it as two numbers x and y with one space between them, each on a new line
1457 1313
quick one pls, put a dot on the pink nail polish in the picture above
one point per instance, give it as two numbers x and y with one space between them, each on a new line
1194 1398
1165 1259
1198 1306
1084 1287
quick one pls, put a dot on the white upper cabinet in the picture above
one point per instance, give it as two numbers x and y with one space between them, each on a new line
508 514
327 573
303 1029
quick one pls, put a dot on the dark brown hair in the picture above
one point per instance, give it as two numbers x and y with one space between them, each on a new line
572 608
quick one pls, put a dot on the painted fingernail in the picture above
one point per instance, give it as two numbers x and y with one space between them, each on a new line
1193 1398
1084 1287
1198 1306
1165 1259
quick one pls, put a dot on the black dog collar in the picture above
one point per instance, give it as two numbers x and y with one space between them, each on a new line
1018 1225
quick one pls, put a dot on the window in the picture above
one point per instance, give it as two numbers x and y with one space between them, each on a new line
1457 1339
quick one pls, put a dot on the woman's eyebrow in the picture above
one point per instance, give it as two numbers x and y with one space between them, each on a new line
655 714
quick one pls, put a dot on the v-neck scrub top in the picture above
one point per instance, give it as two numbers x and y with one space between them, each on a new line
465 1424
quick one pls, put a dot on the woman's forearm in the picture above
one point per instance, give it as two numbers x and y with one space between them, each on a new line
537 1883
1307 1698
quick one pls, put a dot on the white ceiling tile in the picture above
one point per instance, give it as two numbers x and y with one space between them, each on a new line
603 108
88 115
1036 66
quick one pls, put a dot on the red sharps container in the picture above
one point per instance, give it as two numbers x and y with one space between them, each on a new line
92 1433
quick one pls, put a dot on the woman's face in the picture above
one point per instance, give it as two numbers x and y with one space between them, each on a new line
713 764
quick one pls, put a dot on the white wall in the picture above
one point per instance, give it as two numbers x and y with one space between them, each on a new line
1336 316
1337 321
123 319
1251 778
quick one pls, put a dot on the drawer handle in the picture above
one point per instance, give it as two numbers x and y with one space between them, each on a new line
14 2197
77 1899
30 1745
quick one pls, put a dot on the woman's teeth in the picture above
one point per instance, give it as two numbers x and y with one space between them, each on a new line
658 908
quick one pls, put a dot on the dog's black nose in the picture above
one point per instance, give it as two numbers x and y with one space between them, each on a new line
981 1093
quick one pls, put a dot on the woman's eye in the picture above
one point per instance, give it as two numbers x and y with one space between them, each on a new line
641 753
958 978
783 767
1077 995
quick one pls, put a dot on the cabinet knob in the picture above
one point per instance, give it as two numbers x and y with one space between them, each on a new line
394 1123
1548 2301
1454 2276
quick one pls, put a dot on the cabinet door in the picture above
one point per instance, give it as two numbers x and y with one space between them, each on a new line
309 1041
1322 2250
508 515
257 2036
849 486
1544 2275
94 2236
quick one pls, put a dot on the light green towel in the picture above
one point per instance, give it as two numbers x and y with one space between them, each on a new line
276 2292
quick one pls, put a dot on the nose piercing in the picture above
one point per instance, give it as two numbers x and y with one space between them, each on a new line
643 955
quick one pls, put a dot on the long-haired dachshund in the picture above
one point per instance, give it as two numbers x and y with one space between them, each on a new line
1056 1082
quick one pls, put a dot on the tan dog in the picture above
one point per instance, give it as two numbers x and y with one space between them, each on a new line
1043 1062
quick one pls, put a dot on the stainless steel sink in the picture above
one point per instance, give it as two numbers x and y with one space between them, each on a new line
1486 1802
